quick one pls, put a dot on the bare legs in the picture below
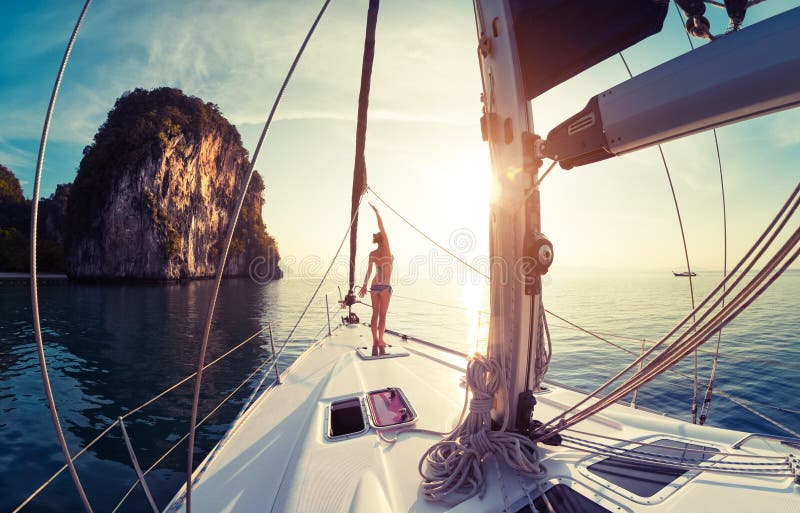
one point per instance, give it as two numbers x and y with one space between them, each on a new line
376 298
386 296
380 305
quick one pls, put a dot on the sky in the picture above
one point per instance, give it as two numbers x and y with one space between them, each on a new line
424 151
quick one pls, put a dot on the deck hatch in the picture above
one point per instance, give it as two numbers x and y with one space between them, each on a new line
563 499
346 418
647 479
389 407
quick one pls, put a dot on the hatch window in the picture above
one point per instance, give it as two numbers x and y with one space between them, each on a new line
647 479
563 499
346 418
389 407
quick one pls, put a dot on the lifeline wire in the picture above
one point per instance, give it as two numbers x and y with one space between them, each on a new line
37 326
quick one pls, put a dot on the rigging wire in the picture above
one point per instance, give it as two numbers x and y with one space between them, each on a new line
685 251
224 254
770 466
544 175
736 400
780 221
705 450
37 326
695 335
639 456
704 409
710 387
409 223
592 332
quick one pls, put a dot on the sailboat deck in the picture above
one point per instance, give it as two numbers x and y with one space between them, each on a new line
278 458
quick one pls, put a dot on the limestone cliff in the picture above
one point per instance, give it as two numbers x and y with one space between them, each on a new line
154 194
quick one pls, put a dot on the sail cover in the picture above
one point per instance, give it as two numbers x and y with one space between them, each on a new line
557 39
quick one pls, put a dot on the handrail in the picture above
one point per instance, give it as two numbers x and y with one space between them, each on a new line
440 347
785 440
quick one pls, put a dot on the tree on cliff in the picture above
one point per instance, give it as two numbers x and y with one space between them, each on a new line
13 238
155 190
15 220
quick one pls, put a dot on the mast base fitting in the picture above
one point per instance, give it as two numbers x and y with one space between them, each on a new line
525 403
554 440
350 318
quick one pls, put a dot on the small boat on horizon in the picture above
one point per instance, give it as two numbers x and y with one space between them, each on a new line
684 274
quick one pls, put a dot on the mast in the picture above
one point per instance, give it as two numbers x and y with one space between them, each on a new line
360 165
516 243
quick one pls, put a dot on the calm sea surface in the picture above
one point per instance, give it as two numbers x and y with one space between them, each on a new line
111 348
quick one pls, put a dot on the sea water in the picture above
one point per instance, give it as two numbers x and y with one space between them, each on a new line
112 347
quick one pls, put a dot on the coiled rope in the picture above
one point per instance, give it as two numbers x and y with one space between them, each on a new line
453 466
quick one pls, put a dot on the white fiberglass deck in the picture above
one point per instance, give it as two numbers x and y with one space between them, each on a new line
277 457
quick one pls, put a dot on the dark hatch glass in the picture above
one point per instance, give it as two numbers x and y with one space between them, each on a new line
346 418
564 499
646 479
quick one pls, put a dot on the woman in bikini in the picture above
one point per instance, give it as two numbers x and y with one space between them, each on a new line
380 290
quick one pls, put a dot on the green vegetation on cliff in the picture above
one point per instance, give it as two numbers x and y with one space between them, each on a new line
15 219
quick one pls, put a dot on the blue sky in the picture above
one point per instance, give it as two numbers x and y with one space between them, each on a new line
424 152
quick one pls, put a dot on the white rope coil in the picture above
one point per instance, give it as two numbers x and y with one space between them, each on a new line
454 465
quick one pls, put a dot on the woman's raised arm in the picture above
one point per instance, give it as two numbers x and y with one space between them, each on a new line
380 225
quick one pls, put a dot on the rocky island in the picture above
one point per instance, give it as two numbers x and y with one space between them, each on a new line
154 194
152 199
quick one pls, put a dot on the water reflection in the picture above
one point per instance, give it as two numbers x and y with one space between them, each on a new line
111 348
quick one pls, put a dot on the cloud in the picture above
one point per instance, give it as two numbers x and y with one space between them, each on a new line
785 128
12 156
236 53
